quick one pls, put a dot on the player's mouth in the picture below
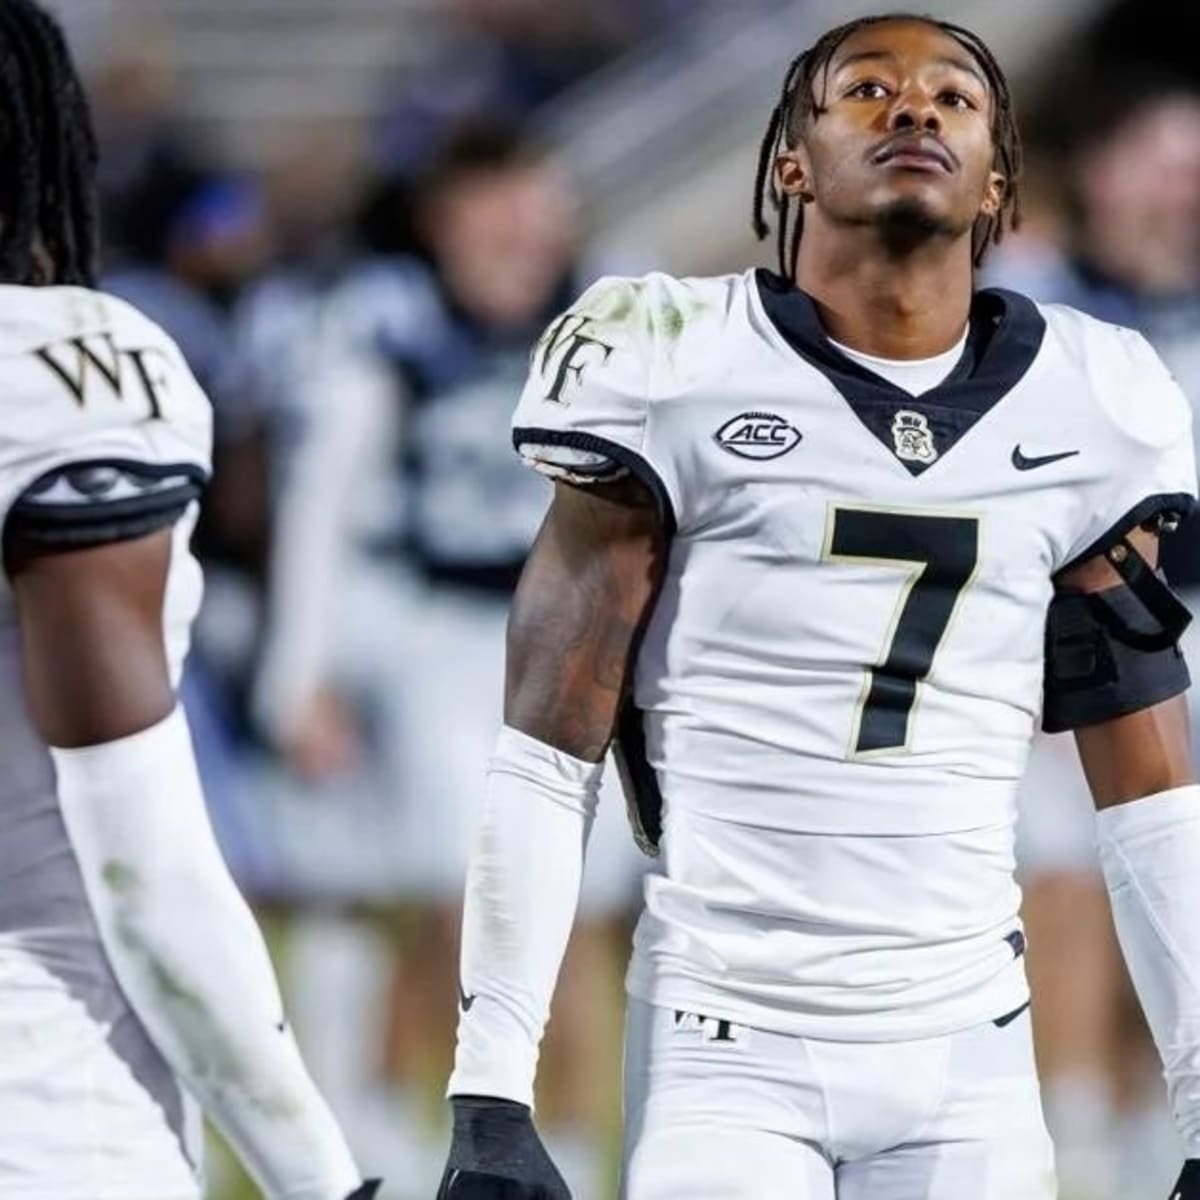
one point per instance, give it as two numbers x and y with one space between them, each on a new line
920 152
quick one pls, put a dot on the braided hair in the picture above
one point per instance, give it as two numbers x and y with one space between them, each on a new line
798 103
48 208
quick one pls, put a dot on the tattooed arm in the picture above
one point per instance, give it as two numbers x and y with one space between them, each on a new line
586 591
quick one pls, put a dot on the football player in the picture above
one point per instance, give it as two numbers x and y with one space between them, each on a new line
824 544
130 967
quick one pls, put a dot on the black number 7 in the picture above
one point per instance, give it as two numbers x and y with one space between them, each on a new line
941 552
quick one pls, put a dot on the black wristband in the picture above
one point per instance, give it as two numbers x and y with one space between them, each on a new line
1188 1185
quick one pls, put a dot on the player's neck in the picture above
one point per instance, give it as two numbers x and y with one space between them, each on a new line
912 306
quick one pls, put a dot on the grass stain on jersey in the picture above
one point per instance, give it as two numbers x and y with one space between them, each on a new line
612 305
617 305
120 878
673 319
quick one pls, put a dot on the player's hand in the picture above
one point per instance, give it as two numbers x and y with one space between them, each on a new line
496 1154
1188 1185
368 1190
324 740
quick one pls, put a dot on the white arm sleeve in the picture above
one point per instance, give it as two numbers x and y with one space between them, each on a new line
522 892
189 956
1150 852
350 399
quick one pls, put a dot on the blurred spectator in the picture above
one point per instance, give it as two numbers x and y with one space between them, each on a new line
212 241
307 197
403 523
1131 193
505 58
148 166
1130 254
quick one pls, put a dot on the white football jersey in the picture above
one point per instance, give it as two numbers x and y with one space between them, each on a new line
836 692
100 422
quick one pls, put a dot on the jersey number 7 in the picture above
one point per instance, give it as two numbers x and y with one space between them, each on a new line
941 553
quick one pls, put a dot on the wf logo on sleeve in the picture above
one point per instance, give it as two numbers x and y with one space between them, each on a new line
569 346
84 364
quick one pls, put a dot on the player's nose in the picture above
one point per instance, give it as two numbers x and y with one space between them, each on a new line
914 108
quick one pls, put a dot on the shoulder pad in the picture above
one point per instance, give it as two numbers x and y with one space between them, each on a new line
91 382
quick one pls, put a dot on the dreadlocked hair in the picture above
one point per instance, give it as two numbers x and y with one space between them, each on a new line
48 209
798 103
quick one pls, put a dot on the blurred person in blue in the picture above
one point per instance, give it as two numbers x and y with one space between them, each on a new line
1128 252
213 242
399 537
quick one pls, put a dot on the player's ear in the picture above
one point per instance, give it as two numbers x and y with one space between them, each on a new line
993 195
794 173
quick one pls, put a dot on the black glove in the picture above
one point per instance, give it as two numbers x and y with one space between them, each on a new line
496 1154
1188 1187
368 1191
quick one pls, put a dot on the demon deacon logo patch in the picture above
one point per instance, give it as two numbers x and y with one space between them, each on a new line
757 435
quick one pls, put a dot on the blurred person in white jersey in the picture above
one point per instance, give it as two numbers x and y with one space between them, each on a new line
134 984
825 543
401 534
1126 155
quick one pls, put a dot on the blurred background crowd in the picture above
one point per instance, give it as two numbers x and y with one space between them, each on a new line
355 216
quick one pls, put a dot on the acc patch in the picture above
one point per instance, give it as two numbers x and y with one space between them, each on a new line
757 435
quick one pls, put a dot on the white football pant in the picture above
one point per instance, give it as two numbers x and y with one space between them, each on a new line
715 1111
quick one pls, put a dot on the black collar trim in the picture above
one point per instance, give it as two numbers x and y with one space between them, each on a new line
1005 335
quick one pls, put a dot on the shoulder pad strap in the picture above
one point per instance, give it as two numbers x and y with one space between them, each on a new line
1155 595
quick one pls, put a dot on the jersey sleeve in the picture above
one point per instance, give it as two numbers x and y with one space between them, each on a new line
1156 475
585 414
104 432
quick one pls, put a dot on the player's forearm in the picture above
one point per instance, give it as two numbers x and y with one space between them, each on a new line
189 957
1150 852
583 595
522 892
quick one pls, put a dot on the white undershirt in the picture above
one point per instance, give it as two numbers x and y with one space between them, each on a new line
913 375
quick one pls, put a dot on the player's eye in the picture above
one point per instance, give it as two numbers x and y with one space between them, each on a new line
958 100
868 89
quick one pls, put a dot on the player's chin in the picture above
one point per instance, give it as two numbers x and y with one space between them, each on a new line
917 214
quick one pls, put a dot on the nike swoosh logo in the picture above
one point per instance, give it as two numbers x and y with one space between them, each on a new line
465 1000
1042 460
